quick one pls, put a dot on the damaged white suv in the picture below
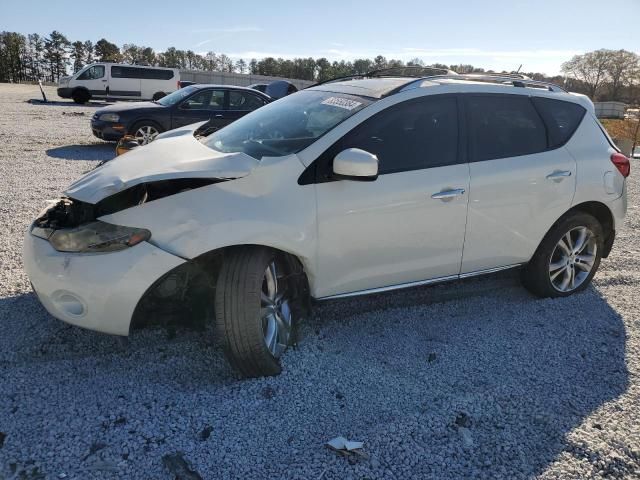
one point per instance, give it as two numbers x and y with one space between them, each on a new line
347 188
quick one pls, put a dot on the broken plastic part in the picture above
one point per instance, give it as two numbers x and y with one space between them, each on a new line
341 443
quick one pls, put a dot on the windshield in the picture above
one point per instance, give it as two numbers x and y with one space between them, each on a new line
177 96
288 125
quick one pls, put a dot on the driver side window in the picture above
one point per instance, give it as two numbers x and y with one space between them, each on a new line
206 100
92 73
411 135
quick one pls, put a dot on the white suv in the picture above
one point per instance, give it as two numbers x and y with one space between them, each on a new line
351 187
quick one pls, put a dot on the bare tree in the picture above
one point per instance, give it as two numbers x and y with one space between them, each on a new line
591 68
623 67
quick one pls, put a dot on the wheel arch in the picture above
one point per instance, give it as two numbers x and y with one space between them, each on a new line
604 216
138 121
191 284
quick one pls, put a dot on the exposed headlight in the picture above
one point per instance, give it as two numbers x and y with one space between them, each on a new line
97 237
109 117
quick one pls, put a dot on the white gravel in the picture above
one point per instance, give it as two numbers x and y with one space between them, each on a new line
470 379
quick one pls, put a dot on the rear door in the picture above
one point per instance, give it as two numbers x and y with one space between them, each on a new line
242 102
522 181
204 104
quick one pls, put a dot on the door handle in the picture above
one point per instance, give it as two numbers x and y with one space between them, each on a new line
218 115
559 175
448 194
104 80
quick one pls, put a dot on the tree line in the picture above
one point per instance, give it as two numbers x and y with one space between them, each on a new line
602 74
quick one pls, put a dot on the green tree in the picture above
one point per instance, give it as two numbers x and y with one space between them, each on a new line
78 55
241 66
36 56
56 55
88 51
107 51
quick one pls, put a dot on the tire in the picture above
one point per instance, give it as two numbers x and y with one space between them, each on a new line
158 95
80 96
554 263
243 321
151 128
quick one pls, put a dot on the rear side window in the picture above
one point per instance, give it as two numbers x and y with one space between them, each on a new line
147 73
244 101
562 119
155 74
411 135
502 126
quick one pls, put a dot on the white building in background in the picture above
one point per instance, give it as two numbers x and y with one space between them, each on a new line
610 109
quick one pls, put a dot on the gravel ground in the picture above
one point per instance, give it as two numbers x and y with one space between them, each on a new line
469 379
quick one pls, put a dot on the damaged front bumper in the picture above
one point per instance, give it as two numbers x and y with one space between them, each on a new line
95 291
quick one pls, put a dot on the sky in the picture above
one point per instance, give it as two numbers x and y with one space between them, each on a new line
493 34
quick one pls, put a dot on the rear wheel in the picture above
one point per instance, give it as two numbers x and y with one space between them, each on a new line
145 132
80 96
158 95
255 312
567 259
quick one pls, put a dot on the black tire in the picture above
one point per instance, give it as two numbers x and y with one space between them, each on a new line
80 96
239 323
536 275
158 95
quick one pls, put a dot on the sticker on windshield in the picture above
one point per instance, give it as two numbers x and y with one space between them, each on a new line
345 103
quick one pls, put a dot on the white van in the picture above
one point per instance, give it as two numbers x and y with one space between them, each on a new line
119 82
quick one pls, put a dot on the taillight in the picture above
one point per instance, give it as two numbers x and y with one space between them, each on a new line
622 163
178 84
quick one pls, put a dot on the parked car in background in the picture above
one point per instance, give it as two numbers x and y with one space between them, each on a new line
359 186
276 89
113 81
219 105
261 87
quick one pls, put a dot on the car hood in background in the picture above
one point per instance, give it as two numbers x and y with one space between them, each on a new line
120 107
174 154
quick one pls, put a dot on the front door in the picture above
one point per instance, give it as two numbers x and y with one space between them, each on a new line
204 104
522 179
409 224
94 79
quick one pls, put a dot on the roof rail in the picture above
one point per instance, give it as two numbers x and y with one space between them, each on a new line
516 80
413 71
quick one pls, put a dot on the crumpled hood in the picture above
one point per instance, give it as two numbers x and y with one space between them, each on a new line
174 154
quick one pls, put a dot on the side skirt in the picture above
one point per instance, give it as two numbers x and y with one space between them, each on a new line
432 281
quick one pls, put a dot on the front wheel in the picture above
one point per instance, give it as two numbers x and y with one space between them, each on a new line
145 132
567 259
254 310
80 96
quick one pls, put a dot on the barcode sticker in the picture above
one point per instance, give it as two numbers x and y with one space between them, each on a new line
345 103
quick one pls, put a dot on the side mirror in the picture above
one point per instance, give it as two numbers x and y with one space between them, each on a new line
185 106
355 164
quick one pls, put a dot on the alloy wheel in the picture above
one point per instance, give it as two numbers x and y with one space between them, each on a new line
146 134
275 311
573 259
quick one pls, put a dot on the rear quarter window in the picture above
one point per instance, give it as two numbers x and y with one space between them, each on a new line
502 126
562 119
